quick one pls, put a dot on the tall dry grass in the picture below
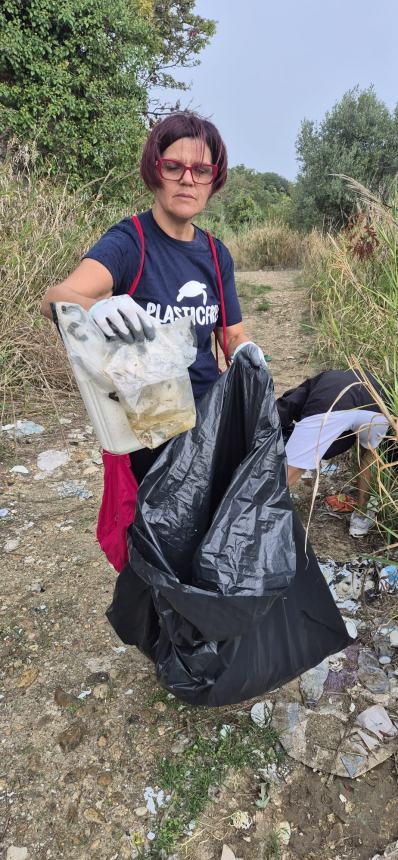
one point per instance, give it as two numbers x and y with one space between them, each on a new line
44 231
353 286
270 245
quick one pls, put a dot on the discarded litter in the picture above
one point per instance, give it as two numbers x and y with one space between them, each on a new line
388 579
328 468
75 489
4 513
319 739
347 581
241 820
340 503
119 649
351 627
390 853
52 459
154 798
84 694
20 470
23 427
377 721
312 683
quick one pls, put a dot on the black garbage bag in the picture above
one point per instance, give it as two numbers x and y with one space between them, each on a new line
220 591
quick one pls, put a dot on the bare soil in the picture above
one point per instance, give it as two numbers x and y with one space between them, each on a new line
73 770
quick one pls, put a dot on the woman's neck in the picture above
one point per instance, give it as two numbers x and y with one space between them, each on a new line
175 228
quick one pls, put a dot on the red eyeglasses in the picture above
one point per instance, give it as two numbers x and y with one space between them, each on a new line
202 173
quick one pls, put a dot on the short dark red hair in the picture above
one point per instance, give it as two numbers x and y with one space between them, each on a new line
183 124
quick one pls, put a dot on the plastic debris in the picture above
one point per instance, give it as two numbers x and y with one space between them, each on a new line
225 730
84 694
388 579
340 503
119 649
154 799
4 513
376 720
351 627
73 489
328 468
261 713
20 470
320 740
241 820
347 581
390 853
312 683
52 459
370 674
24 428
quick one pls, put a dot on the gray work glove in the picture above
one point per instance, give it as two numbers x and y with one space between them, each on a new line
252 352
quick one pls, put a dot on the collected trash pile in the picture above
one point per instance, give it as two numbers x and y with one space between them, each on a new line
333 730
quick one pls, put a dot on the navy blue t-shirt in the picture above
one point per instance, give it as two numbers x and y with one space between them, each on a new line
178 279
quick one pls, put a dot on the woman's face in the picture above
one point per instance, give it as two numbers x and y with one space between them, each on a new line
183 199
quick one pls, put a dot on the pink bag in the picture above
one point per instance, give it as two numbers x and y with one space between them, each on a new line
119 497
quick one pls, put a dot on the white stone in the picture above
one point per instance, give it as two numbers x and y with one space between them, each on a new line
15 853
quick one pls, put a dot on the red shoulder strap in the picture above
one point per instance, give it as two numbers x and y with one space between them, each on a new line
222 303
136 221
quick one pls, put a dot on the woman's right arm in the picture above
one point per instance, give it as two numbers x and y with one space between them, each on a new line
89 283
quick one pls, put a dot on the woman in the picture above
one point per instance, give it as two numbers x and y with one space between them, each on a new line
184 162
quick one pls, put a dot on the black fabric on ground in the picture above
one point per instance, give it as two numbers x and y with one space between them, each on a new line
219 591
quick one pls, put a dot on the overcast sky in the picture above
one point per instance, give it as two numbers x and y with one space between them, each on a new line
271 64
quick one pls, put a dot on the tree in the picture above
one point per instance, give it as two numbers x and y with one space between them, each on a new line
241 209
75 76
357 139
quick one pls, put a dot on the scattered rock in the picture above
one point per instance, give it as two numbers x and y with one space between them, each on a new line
63 699
37 587
312 683
370 673
141 811
93 815
180 744
20 470
261 713
15 853
26 679
101 691
227 853
71 737
97 678
12 544
284 832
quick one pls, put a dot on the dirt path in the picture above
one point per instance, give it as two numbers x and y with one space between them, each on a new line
88 736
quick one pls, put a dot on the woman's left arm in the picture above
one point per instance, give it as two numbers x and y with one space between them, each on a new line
235 336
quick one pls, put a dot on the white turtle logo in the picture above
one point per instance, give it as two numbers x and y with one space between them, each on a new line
192 289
